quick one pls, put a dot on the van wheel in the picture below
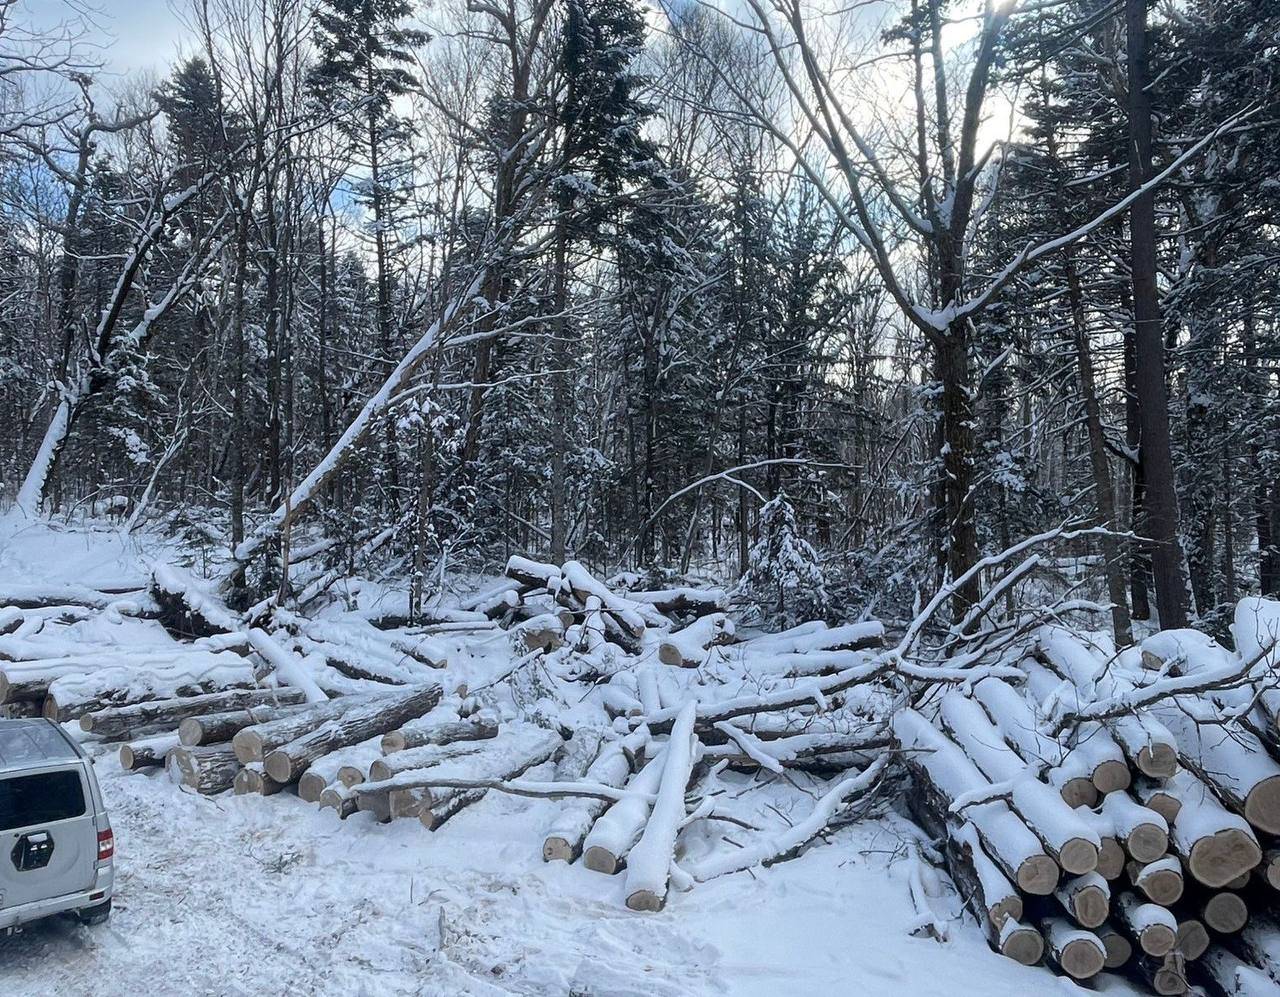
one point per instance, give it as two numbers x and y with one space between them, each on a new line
95 915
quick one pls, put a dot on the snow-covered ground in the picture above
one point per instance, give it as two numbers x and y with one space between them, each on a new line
263 896
257 896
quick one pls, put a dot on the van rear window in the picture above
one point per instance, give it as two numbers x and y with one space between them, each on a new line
40 799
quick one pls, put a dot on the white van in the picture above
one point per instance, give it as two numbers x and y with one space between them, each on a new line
56 845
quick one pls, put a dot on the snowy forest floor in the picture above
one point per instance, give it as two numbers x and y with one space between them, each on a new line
252 895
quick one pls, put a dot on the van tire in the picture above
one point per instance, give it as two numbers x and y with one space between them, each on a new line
95 915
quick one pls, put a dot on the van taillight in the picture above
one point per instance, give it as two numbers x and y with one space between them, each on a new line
106 845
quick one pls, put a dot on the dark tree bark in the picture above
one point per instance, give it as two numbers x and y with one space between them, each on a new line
1160 498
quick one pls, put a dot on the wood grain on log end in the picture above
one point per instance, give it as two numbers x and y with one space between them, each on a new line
1110 859
645 900
1079 792
1262 805
1148 842
1159 761
1081 959
1090 906
557 849
1225 913
1022 944
1193 938
1112 777
1119 951
1157 940
1164 887
1078 856
1219 858
602 860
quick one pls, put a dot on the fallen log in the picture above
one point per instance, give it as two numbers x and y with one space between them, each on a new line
1078 953
683 602
340 799
994 902
1086 898
1259 943
420 733
251 780
1193 938
254 742
1225 756
1165 975
1119 950
1094 744
72 696
1216 845
347 766
1142 831
943 776
1009 710
1160 881
649 863
1224 912
619 827
112 724
388 766
205 771
186 609
611 767
1154 795
149 752
1070 840
1151 927
214 728
689 648
376 715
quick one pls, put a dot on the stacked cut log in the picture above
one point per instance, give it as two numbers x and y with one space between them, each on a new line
1138 842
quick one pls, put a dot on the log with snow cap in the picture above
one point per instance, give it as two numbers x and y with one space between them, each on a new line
993 900
1166 975
252 743
946 776
338 766
1086 898
1142 831
1077 952
1070 840
431 730
1228 757
611 767
1160 881
1152 928
1096 672
1227 975
1108 767
206 771
1067 770
72 696
649 862
374 716
1216 845
691 647
147 752
618 829
214 728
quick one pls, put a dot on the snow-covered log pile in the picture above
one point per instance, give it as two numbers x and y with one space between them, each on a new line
1123 804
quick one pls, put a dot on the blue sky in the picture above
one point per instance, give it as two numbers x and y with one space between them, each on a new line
132 34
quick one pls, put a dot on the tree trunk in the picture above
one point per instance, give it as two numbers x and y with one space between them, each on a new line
1160 498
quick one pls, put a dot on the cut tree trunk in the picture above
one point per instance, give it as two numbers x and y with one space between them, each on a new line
943 775
253 743
214 728
1144 833
203 770
615 832
1224 912
72 696
113 724
150 752
1151 927
363 720
993 900
1119 949
1086 898
338 766
1193 938
1165 975
1216 845
1160 881
421 733
1225 974
251 780
649 864
611 767
1078 953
